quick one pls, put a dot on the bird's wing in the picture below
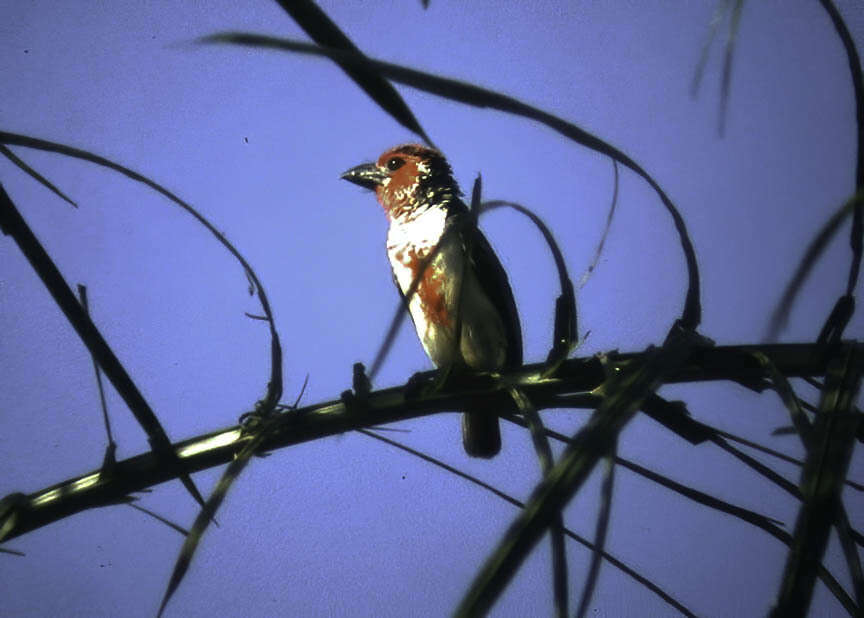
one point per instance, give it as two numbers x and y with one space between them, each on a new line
494 282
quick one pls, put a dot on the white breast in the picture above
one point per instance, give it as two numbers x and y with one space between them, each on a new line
483 344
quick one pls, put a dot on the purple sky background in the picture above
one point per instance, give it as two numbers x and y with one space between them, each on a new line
346 525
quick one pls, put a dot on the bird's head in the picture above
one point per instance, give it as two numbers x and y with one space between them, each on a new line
407 180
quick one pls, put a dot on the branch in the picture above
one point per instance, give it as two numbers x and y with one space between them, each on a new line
576 378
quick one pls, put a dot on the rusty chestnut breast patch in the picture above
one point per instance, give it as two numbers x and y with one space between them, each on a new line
430 289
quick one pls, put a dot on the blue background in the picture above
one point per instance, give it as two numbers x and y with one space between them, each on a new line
347 525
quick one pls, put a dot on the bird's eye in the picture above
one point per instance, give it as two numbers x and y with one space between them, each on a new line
395 163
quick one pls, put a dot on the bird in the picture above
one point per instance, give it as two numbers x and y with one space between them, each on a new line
422 201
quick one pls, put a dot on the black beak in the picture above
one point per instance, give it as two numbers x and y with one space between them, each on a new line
367 175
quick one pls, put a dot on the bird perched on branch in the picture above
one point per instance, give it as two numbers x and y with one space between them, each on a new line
461 305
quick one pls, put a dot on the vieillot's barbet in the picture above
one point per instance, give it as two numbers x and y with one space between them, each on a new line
421 199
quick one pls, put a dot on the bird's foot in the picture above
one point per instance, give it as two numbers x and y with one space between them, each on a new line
425 383
419 384
451 377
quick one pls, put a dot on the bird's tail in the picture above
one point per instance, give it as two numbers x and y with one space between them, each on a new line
481 435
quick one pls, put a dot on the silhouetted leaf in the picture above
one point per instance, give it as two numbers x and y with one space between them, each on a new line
675 417
787 395
108 460
326 33
821 482
556 534
808 406
207 514
788 430
854 62
565 335
760 468
599 251
775 453
600 531
724 8
725 85
813 252
847 541
157 517
838 319
713 26
36 175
